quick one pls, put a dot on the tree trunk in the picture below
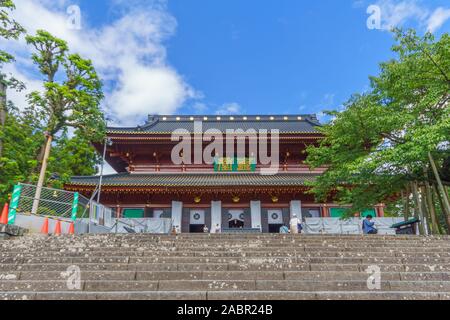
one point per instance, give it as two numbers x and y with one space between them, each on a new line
418 208
446 217
431 209
2 113
405 197
37 197
426 210
442 192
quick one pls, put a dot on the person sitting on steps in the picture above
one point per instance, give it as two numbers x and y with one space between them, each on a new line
368 226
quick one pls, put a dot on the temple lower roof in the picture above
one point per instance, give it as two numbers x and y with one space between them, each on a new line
196 180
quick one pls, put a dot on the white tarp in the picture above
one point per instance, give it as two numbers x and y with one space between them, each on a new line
331 225
348 226
351 226
145 225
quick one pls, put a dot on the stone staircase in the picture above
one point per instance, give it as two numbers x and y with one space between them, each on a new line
221 266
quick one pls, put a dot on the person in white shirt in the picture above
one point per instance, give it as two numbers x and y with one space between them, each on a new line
294 224
215 229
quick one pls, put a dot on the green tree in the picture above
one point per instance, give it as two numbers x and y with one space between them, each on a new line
384 143
22 139
73 156
9 29
71 97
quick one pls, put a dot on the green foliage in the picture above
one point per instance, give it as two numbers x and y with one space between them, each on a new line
9 29
24 136
70 100
72 157
73 90
380 142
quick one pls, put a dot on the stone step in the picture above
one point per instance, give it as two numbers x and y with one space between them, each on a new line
279 240
224 254
121 238
221 285
225 275
226 295
218 247
125 242
224 267
229 260
249 235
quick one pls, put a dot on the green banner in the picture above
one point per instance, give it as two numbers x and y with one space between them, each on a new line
75 206
235 164
14 204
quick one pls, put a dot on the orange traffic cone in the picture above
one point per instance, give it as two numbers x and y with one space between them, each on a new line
72 228
58 228
4 217
45 226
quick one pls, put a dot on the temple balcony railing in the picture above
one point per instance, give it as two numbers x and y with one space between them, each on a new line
169 168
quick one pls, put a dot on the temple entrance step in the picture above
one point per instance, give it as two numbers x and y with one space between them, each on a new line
224 266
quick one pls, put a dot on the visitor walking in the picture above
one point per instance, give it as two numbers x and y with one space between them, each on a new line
295 224
216 229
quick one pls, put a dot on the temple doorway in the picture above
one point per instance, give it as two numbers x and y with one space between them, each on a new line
275 220
236 219
236 224
196 228
197 221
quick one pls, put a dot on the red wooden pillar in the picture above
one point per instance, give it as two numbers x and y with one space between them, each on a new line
380 210
325 211
118 212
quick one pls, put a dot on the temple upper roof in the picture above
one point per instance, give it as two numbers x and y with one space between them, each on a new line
286 124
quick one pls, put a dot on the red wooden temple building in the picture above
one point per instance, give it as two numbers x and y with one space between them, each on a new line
232 192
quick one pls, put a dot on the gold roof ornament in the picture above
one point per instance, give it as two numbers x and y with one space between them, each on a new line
236 199
275 199
197 199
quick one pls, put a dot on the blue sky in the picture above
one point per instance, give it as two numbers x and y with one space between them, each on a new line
226 56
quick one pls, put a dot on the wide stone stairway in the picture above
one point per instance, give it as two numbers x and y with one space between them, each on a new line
212 267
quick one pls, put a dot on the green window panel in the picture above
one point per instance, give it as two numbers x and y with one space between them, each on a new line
133 213
337 212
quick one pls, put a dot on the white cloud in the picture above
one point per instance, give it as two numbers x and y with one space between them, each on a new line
128 53
438 18
19 98
229 108
396 13
152 90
